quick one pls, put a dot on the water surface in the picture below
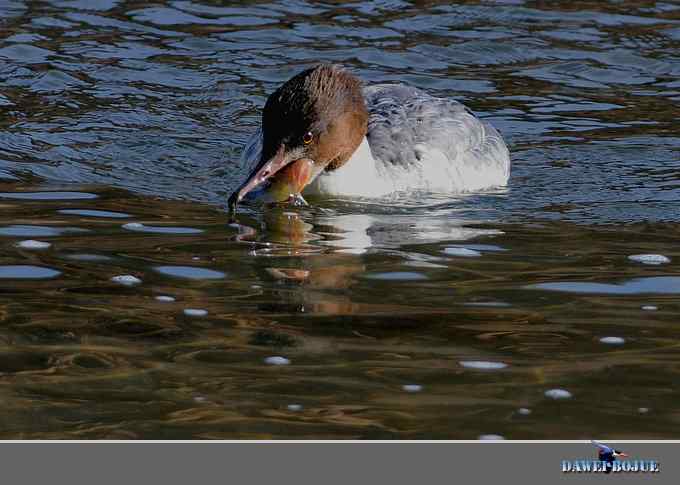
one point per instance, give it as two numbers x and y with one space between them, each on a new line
513 313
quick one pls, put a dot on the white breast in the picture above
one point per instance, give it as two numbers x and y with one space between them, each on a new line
360 176
435 171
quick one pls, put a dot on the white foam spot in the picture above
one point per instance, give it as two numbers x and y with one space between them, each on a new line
643 410
126 280
558 394
613 340
649 258
463 252
524 411
276 360
650 308
200 399
482 365
294 407
136 226
165 298
412 387
491 437
33 244
195 312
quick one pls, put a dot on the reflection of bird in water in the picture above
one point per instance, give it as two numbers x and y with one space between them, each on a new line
313 271
322 254
323 133
359 233
608 455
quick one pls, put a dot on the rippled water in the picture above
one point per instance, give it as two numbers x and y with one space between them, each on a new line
130 308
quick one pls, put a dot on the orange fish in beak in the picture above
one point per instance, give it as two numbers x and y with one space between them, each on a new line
288 183
283 181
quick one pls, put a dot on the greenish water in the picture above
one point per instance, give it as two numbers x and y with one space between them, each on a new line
358 306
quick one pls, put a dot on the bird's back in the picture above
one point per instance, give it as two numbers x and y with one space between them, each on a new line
429 143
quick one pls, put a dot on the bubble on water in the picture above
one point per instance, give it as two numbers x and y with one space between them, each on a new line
524 411
558 394
294 407
276 360
136 226
126 280
94 213
482 365
649 258
613 340
195 312
47 195
27 272
643 410
190 272
165 298
665 285
25 230
491 437
650 308
462 252
396 276
33 244
412 387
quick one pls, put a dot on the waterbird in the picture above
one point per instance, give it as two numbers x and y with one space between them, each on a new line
608 455
324 133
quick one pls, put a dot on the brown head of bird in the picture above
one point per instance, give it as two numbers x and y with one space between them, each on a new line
312 123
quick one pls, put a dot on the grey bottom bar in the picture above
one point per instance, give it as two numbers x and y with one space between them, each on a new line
321 463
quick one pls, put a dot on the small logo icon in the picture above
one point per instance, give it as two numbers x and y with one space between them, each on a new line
608 455
609 460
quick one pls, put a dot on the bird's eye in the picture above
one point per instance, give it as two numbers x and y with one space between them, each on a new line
307 139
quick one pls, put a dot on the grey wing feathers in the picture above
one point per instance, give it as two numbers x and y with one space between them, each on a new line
405 120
